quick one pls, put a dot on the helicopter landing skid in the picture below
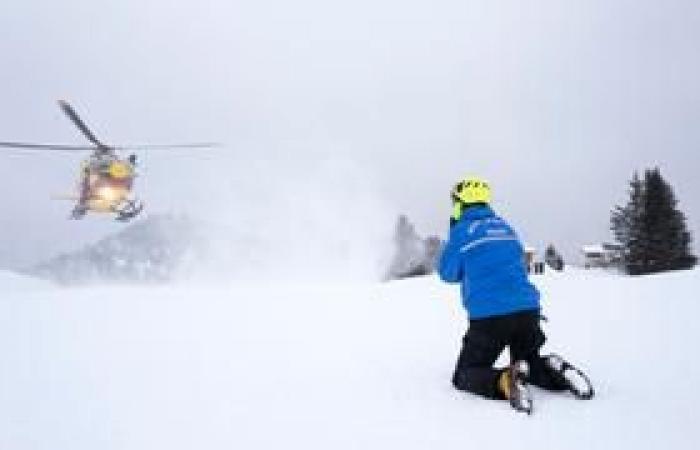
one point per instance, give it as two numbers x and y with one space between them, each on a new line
78 212
128 210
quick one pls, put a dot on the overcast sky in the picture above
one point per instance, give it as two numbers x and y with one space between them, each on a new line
556 102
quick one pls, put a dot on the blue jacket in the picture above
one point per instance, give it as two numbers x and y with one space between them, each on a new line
486 256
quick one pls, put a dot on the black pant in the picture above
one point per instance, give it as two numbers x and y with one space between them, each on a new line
485 340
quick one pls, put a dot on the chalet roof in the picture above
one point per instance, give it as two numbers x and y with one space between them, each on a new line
601 248
593 248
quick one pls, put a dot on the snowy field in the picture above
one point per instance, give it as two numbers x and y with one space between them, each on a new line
334 367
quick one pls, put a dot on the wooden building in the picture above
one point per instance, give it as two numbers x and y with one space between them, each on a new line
601 255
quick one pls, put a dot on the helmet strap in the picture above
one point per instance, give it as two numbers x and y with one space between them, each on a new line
457 209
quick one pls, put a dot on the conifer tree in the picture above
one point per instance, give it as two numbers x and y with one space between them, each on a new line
650 228
626 222
553 258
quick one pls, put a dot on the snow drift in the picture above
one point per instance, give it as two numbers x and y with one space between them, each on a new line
340 366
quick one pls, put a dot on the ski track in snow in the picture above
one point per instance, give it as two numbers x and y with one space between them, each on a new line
334 366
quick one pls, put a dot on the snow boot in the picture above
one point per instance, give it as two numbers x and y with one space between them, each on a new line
575 381
514 388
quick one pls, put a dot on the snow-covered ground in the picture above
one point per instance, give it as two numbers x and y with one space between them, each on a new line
334 367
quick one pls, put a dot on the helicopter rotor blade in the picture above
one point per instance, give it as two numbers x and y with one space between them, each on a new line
63 147
58 147
167 146
73 116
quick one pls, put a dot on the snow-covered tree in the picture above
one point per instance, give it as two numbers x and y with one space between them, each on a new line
413 256
553 258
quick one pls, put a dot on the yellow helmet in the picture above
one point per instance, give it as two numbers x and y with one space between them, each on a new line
472 190
467 192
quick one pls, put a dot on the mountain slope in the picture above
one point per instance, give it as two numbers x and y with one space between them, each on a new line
11 283
152 250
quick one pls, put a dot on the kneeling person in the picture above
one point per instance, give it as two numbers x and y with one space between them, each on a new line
485 255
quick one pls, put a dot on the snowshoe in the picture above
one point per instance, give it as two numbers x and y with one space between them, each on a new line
576 381
517 391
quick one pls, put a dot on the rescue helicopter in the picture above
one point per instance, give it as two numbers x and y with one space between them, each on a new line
106 178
